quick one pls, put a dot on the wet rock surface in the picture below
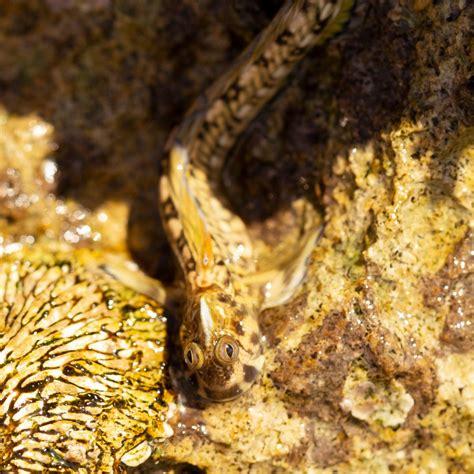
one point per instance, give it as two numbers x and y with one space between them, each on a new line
81 386
369 367
454 286
82 373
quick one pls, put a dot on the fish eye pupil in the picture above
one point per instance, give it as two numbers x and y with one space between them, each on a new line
226 350
193 356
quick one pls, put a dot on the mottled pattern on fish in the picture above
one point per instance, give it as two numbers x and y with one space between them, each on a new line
81 368
220 337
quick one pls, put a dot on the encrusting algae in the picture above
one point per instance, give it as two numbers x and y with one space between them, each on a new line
82 367
82 371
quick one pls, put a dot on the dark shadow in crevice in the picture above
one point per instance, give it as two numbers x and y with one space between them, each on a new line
342 96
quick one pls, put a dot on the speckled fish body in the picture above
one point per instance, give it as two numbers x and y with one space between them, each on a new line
219 334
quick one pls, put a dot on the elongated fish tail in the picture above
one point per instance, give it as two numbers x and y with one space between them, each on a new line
225 110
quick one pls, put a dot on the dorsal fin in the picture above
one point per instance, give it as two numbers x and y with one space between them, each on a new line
195 232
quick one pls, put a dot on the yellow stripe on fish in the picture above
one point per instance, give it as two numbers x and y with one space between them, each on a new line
193 227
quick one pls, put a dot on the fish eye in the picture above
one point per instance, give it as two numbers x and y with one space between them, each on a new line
193 356
226 350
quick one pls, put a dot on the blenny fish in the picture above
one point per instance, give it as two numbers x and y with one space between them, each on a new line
220 336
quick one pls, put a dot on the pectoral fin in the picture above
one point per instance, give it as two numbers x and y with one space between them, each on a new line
285 280
128 274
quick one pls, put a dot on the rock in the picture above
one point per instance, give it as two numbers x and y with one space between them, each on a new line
368 366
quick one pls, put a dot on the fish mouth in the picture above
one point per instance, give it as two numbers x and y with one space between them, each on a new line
222 393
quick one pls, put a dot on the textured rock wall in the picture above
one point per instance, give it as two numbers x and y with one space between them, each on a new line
369 367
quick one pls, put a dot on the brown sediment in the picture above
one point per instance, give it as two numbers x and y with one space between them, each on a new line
315 372
454 286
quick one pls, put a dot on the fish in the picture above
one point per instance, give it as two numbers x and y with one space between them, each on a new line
221 342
